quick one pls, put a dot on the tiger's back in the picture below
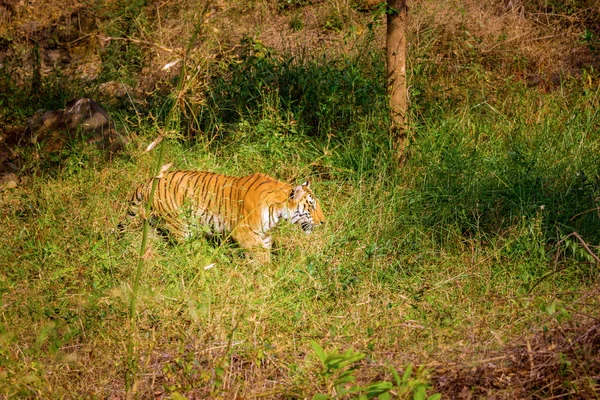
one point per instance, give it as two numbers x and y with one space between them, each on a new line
246 208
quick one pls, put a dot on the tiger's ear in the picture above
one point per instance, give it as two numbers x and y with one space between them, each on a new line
298 192
306 183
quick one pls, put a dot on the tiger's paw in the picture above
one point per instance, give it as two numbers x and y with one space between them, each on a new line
260 257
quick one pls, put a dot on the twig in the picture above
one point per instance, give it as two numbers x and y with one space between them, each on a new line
547 275
558 396
472 362
586 247
512 39
137 41
584 212
580 338
531 363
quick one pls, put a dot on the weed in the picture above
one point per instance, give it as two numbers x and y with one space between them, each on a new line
296 22
338 379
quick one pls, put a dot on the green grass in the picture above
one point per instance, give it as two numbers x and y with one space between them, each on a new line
462 249
377 279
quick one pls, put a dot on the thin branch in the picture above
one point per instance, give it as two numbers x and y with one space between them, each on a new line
584 212
144 42
586 247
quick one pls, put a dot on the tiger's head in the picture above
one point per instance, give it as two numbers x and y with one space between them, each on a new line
304 208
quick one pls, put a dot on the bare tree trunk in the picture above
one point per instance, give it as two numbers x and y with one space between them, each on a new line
396 74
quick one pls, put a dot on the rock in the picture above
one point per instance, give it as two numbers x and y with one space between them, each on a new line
8 181
84 116
112 91
109 141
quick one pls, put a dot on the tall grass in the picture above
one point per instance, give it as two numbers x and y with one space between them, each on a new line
338 102
463 249
485 173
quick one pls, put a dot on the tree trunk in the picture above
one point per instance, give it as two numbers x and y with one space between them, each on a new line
396 74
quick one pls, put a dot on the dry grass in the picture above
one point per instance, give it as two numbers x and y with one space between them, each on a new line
374 279
558 361
68 316
535 47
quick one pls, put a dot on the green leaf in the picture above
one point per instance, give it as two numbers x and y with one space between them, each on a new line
351 360
379 389
420 393
436 396
333 360
345 379
320 396
551 309
318 351
396 376
407 374
341 391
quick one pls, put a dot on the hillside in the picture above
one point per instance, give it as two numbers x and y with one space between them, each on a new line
469 271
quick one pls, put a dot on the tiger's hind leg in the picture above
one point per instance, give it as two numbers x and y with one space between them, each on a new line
249 240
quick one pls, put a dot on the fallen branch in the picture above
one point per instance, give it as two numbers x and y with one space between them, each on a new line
585 246
584 212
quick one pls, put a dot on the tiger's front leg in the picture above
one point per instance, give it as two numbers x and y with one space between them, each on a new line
259 247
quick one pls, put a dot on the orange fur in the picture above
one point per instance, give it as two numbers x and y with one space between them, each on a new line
244 207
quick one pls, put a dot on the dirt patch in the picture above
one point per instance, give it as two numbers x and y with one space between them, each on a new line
529 42
526 43
52 131
563 362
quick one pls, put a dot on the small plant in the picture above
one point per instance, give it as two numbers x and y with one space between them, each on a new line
296 22
588 38
408 384
338 377
337 373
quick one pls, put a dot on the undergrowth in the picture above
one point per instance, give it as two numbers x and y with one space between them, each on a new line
486 236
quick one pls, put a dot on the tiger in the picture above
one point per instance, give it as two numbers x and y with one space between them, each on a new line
243 208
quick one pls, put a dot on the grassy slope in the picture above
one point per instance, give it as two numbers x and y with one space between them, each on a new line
441 260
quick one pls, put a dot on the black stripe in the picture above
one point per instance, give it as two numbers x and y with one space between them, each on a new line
239 183
230 201
162 193
259 193
199 191
194 185
258 176
205 184
252 179
171 199
210 198
220 198
185 183
174 189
